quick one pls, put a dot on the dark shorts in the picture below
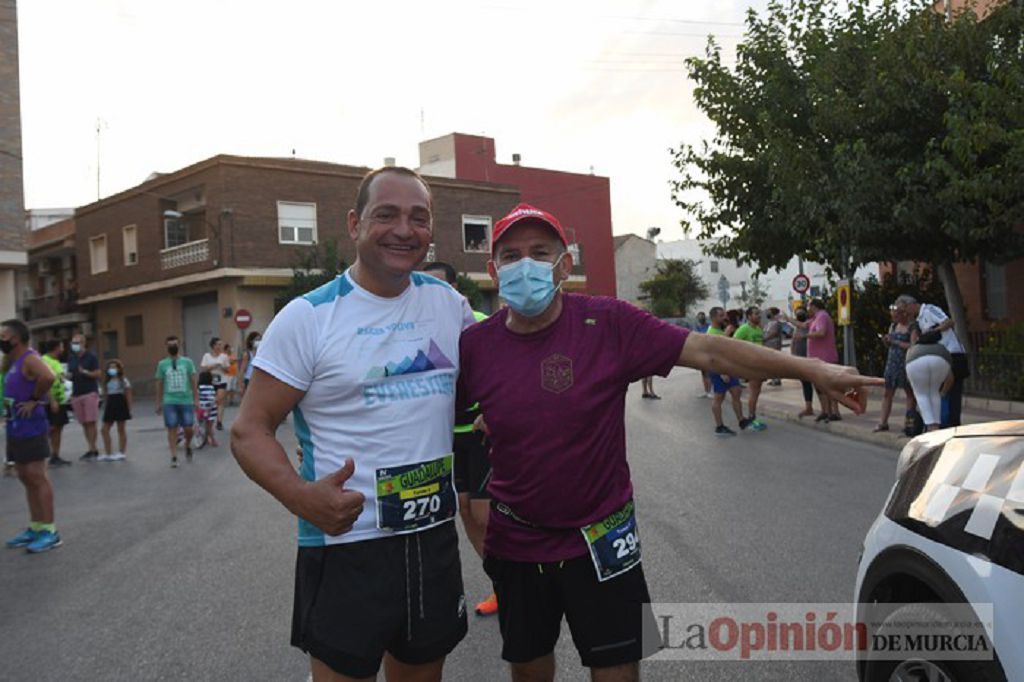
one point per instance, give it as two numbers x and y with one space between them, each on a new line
179 415
60 417
221 386
606 619
472 466
25 450
401 594
116 409
721 386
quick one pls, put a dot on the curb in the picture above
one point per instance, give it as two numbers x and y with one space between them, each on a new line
890 439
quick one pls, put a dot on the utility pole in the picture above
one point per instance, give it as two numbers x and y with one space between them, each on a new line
97 158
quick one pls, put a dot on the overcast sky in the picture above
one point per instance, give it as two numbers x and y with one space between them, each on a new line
569 85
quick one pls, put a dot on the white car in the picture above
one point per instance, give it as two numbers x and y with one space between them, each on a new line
952 531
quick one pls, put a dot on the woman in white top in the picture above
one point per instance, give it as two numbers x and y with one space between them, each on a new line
217 362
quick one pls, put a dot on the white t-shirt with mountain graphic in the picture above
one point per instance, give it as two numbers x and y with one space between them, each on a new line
379 376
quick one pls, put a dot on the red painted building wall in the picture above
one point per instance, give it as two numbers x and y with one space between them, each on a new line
581 202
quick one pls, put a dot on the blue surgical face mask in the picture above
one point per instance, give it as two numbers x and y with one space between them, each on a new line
112 371
528 286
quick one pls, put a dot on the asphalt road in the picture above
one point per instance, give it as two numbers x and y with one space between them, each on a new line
187 574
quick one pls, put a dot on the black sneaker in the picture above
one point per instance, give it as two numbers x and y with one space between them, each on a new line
724 431
220 426
188 454
58 462
89 456
835 418
744 423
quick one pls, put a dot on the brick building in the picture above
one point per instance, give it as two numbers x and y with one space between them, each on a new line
50 306
183 251
986 289
581 202
13 258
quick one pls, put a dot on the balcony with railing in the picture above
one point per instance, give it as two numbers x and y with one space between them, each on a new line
52 305
185 254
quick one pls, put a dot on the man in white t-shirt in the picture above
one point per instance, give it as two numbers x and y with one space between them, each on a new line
367 365
931 318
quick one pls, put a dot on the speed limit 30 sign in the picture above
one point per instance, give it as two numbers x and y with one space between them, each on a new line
801 284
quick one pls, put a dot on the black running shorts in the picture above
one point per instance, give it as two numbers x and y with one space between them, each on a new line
401 594
606 619
25 450
472 466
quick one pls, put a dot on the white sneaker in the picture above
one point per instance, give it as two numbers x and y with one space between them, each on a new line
104 458
117 457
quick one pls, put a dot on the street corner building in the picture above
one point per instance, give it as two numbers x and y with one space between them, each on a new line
184 251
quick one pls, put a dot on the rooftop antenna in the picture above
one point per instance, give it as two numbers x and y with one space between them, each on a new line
100 124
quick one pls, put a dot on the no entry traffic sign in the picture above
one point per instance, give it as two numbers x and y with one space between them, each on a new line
243 318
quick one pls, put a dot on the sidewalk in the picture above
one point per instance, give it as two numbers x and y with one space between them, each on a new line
787 401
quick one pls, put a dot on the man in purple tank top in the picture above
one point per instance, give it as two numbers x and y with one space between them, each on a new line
27 382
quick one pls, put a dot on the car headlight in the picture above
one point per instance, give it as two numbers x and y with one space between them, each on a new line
919 447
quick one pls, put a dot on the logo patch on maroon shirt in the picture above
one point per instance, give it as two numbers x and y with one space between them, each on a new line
556 373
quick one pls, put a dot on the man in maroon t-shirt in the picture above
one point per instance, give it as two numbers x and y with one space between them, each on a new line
550 373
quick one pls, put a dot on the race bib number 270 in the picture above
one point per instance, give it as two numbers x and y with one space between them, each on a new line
412 496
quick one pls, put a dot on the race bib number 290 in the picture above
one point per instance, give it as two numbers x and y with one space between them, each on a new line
412 496
614 543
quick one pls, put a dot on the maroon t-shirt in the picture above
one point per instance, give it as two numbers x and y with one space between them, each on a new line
554 402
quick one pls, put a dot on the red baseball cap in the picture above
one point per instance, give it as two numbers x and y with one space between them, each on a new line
526 212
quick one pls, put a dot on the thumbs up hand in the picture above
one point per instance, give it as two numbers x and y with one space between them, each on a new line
329 505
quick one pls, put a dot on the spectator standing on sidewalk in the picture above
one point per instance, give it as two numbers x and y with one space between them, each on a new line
930 370
799 348
751 332
898 341
773 336
821 344
85 373
57 411
931 319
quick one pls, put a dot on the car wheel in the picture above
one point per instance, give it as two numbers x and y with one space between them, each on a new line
916 669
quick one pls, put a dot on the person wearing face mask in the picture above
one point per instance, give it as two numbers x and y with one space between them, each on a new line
27 382
551 374
177 394
117 409
85 373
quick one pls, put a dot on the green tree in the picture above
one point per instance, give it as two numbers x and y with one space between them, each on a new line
872 319
317 265
471 290
754 292
675 287
862 131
